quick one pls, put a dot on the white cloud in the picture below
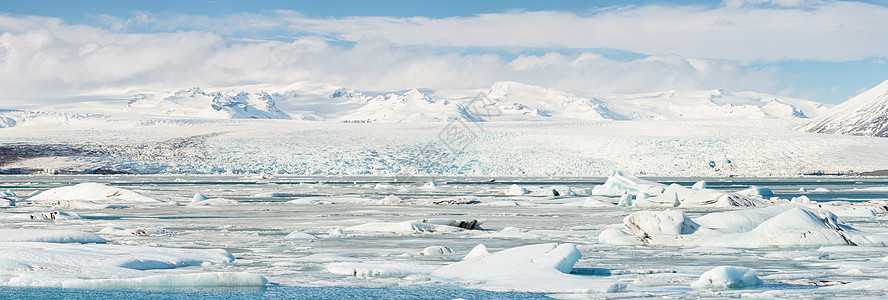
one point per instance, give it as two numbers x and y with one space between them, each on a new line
738 30
690 48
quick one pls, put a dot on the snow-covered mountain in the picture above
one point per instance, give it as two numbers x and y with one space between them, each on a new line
198 103
865 114
710 104
518 101
503 101
409 106
13 118
514 101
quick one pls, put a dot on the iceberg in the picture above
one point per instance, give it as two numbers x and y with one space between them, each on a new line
532 268
437 251
618 183
726 277
92 196
783 226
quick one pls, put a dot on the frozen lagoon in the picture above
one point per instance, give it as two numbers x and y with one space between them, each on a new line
387 256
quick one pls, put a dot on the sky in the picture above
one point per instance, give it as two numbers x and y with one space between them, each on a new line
821 50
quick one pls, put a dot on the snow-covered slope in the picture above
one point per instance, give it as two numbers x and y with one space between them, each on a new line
197 103
865 114
409 106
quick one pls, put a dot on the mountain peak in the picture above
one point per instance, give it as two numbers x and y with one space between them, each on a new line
865 114
195 102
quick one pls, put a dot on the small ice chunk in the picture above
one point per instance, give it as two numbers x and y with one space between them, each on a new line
336 232
478 251
643 224
594 202
391 199
803 190
822 190
198 197
516 190
756 191
700 185
801 199
668 199
625 200
571 192
727 277
299 235
618 183
437 251
201 200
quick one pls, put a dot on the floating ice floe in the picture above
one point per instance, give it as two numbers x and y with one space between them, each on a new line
41 216
785 225
726 277
516 190
618 183
147 231
115 266
190 280
201 200
593 202
299 235
49 236
409 227
849 210
756 191
392 200
653 194
92 196
336 232
378 269
533 268
438 251
431 185
278 195
8 198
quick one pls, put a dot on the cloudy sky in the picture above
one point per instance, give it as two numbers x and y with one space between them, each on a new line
820 50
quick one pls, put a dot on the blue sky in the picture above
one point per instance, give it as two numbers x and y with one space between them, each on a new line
826 51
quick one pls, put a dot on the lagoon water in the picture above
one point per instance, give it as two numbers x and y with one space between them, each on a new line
271 208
